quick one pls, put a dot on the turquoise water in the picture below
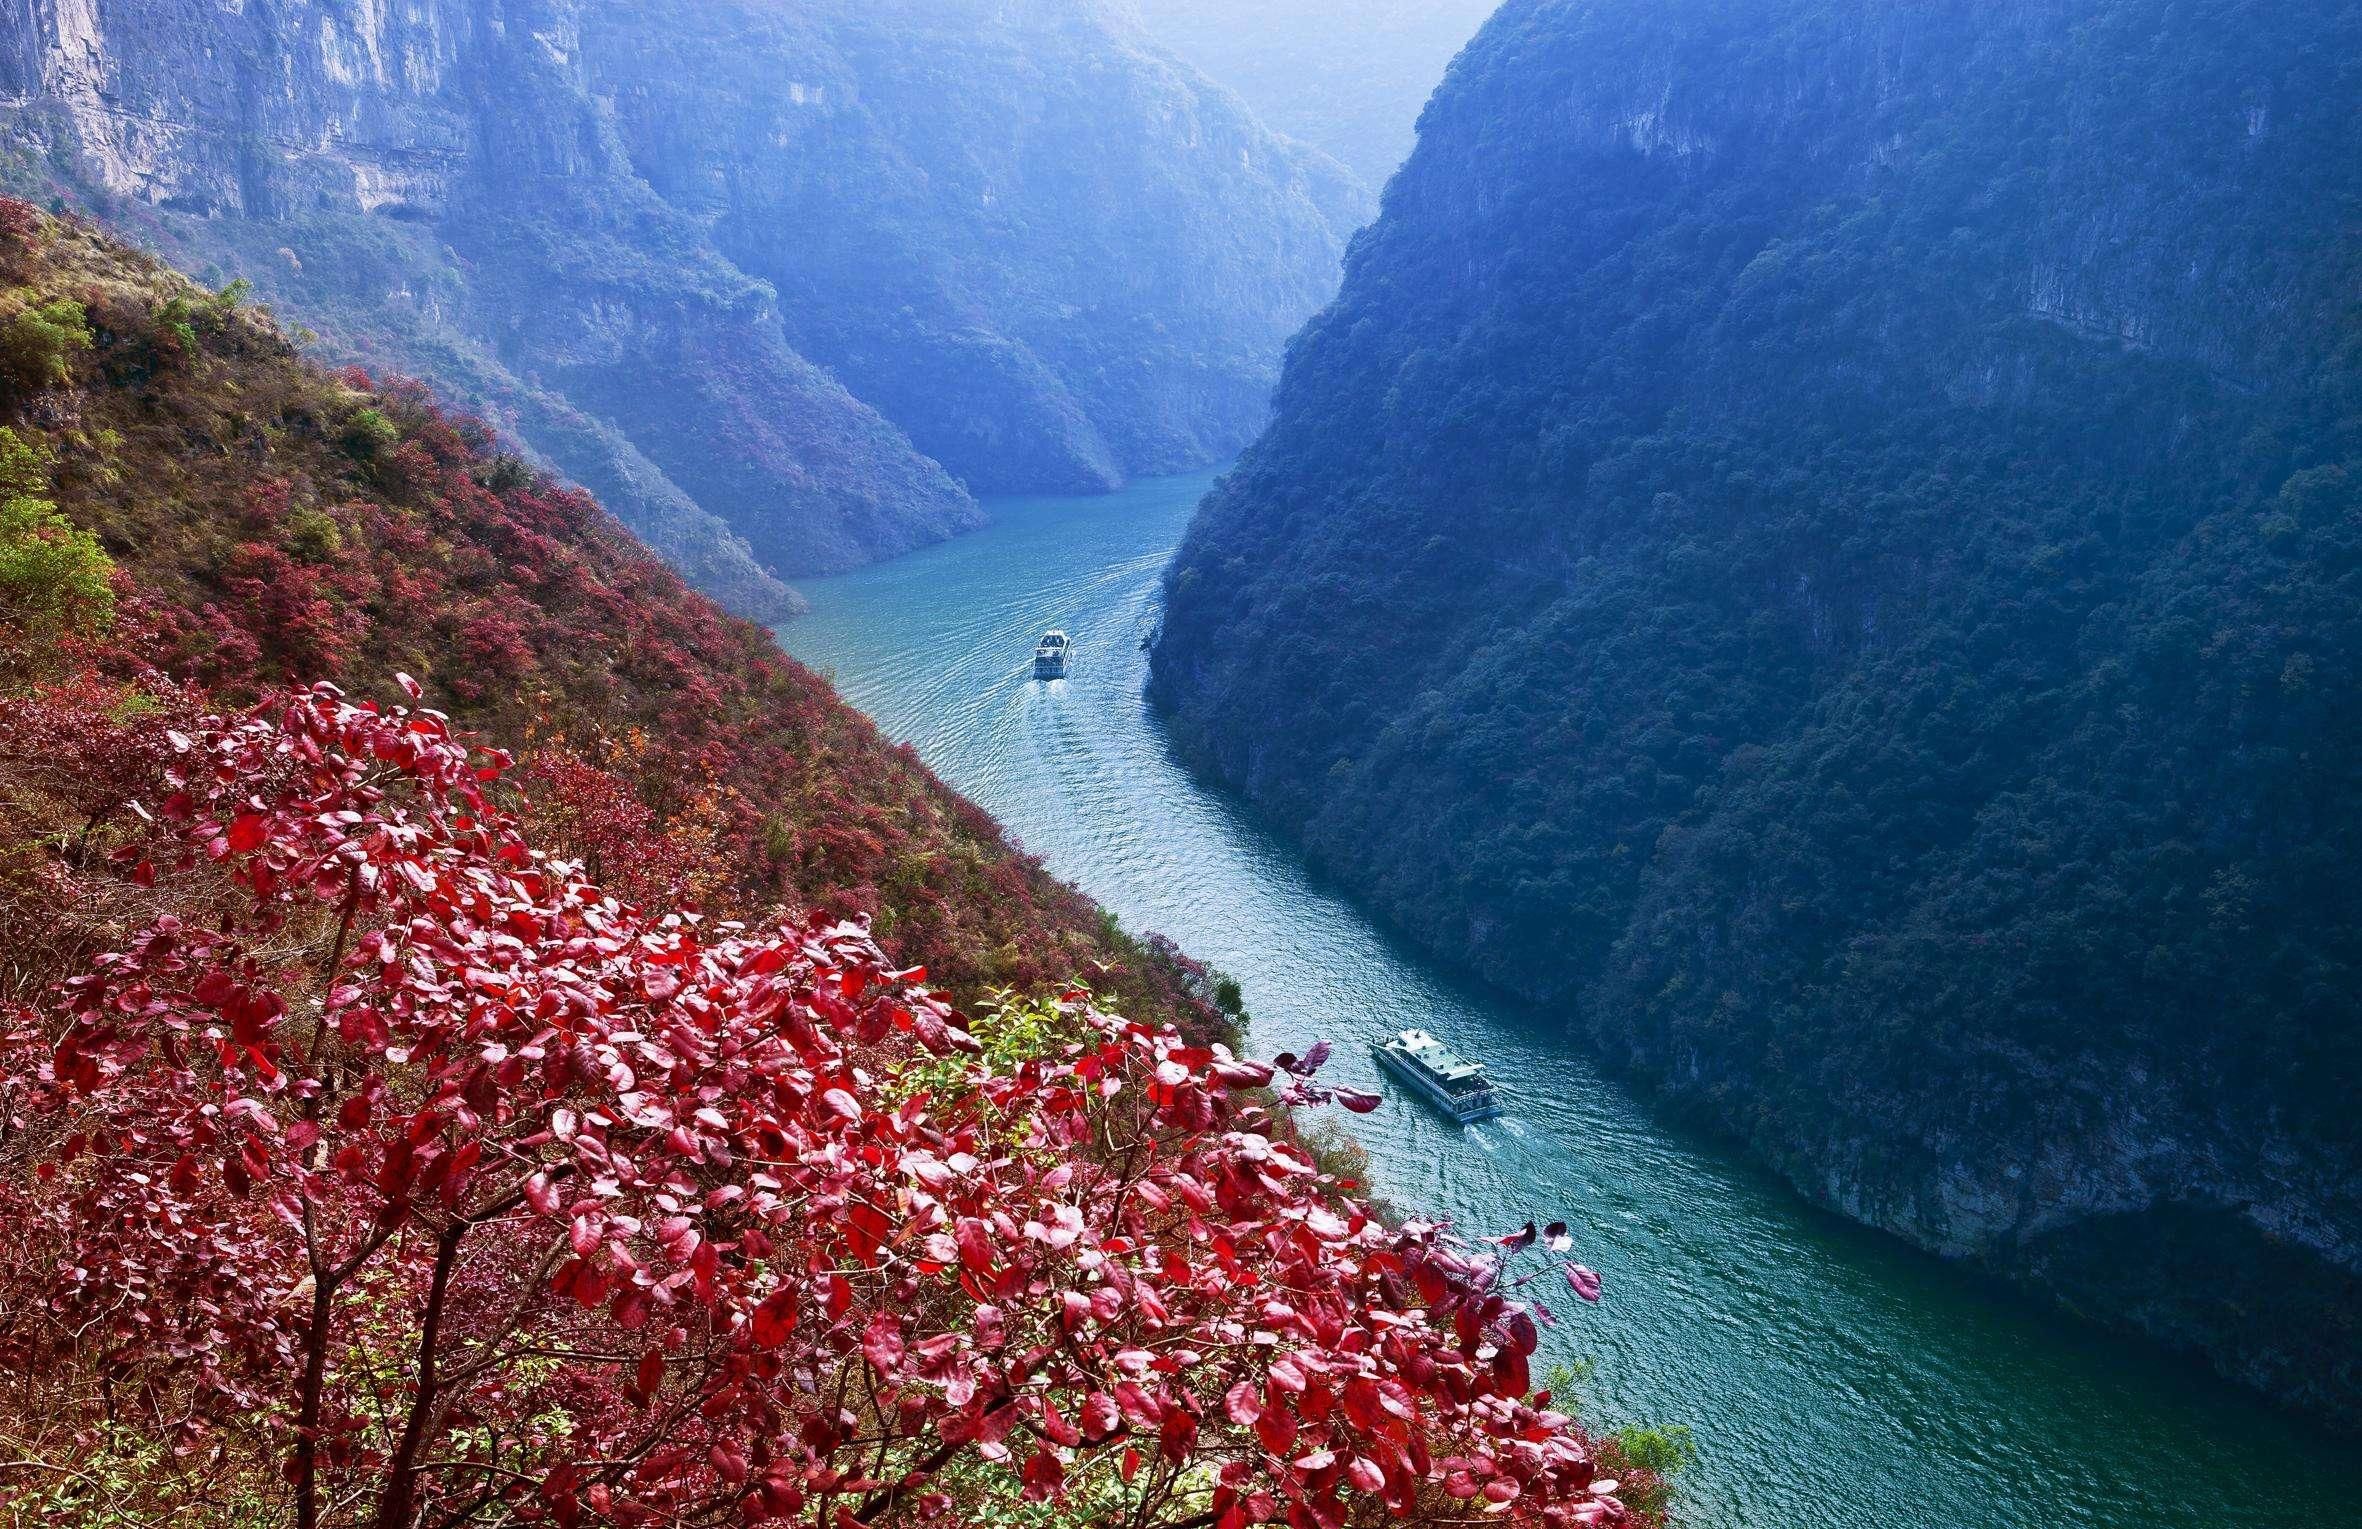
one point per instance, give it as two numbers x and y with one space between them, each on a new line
1831 1377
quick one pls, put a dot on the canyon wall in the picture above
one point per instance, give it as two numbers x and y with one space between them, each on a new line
1825 540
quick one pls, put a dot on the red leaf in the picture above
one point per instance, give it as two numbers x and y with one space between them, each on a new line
881 1342
1276 1429
247 833
974 1240
1101 1416
775 1319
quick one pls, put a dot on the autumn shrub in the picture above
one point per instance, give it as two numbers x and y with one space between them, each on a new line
422 1181
77 750
525 610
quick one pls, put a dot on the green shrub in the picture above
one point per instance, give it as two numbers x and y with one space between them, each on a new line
508 473
313 536
369 433
38 342
178 320
54 576
119 1478
1663 1452
1011 1034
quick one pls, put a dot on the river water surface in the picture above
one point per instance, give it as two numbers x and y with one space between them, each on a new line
1831 1377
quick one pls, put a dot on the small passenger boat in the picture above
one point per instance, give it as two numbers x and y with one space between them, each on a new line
1452 1084
1050 655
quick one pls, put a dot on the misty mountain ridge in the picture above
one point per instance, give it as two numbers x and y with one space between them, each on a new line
1348 76
784 285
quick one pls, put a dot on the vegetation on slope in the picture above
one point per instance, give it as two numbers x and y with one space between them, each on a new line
392 1173
1823 537
268 522
363 1160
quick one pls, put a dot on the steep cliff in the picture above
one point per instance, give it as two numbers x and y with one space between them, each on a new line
1053 256
637 234
1827 539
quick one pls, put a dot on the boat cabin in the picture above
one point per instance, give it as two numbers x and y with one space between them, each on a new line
1453 1084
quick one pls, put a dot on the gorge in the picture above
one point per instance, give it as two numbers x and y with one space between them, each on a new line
1802 604
1829 1374
1820 542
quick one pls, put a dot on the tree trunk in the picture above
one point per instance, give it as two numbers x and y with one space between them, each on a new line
399 1506
315 1378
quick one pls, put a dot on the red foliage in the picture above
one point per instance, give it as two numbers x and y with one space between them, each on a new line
288 608
595 817
521 1204
92 747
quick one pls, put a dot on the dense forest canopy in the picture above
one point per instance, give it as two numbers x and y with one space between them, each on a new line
1825 539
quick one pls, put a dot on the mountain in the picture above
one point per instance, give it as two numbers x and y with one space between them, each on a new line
1346 76
1825 542
782 283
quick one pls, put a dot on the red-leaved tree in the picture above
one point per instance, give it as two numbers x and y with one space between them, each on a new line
477 1195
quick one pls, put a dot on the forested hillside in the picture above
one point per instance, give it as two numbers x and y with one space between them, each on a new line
1825 540
781 284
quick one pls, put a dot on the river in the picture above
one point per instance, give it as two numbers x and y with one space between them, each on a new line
1831 1377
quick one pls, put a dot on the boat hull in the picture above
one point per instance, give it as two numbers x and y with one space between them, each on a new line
1049 668
1462 1109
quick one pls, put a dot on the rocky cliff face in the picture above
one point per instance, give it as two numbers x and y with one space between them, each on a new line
1823 539
637 234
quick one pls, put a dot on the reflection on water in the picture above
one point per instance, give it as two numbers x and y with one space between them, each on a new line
1831 1377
